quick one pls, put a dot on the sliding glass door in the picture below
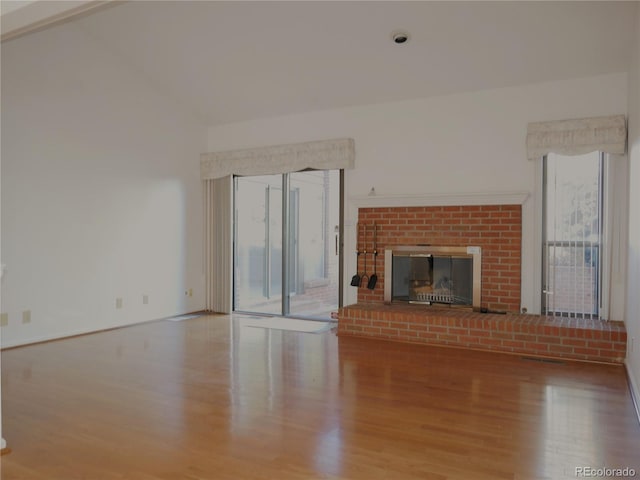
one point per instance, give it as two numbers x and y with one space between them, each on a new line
258 244
287 252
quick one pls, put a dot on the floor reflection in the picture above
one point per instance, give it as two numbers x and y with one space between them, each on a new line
284 388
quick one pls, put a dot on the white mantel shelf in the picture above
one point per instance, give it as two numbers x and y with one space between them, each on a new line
439 199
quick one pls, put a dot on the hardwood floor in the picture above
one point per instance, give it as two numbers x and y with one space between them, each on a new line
207 398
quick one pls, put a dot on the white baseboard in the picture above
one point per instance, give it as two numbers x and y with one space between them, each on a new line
46 338
75 333
633 387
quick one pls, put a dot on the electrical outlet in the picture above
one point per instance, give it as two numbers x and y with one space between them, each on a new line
118 303
145 299
26 316
191 292
4 319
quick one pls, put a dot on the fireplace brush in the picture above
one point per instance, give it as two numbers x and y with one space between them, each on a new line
355 280
365 259
374 278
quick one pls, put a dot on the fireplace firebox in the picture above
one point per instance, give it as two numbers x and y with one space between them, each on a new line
433 275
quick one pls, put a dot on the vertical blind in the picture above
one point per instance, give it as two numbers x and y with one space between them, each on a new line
218 241
572 238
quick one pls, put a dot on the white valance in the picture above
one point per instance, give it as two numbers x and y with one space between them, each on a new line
319 155
577 136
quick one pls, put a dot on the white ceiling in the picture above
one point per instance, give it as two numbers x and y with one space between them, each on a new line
20 17
235 61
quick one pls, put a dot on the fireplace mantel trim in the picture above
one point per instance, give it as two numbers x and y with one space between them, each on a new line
439 199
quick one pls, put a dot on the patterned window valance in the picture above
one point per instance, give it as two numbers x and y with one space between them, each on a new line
577 137
273 160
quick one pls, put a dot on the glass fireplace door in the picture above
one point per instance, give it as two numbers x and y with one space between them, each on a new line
426 278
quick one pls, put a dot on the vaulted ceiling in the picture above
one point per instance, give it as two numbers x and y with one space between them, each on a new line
235 61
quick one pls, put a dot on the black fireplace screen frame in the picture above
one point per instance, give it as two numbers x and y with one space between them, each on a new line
434 274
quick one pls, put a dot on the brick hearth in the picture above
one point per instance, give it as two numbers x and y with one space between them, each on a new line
531 335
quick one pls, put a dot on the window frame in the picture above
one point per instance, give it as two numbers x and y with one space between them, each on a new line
604 266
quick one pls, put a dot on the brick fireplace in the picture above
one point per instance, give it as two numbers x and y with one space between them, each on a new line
497 230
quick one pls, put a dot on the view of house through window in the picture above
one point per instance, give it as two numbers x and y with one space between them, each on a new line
572 234
286 254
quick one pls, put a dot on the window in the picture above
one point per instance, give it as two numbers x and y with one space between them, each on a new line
572 236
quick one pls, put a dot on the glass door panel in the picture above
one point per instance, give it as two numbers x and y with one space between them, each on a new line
314 218
258 244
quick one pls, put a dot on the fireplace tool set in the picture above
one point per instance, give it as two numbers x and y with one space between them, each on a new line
357 280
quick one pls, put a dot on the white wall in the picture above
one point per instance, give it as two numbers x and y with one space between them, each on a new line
3 443
632 320
101 196
467 143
